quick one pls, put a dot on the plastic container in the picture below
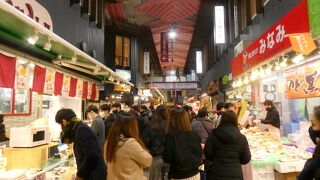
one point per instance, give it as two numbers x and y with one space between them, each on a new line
288 167
290 128
266 173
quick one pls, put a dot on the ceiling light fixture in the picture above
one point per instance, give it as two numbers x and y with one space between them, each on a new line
48 45
172 34
33 39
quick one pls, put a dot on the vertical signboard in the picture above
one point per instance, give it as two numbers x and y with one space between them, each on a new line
164 54
146 63
199 61
219 25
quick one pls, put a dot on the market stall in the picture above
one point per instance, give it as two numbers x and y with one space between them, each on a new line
279 66
40 73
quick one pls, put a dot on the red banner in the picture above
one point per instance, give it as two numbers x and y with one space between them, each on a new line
164 51
58 81
7 71
73 87
93 92
39 78
85 90
275 40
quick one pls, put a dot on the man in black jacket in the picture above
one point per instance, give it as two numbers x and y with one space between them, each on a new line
115 109
273 117
87 152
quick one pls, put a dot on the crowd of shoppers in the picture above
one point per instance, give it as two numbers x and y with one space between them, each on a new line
170 142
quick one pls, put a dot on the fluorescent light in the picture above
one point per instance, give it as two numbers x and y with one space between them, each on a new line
33 39
298 58
219 27
199 62
172 34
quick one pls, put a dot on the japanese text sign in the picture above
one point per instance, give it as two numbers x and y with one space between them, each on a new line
275 40
303 82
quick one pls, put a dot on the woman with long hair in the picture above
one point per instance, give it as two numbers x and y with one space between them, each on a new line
182 148
226 150
125 153
156 145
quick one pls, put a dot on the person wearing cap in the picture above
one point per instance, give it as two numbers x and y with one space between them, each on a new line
97 125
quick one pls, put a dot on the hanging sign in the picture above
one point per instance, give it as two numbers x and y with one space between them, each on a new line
22 74
97 93
314 17
146 63
7 71
49 82
80 88
302 43
89 90
34 10
274 41
123 88
39 79
303 82
66 85
164 49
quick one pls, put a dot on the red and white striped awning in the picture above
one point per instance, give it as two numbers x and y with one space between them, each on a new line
115 11
172 12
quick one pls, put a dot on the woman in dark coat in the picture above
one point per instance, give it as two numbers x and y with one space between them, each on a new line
226 150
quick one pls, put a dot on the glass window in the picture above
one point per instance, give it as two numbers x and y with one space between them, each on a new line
21 101
119 47
122 51
5 100
126 52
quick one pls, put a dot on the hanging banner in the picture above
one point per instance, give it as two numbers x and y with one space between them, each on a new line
314 17
303 82
85 90
89 90
66 85
73 87
146 63
80 88
58 83
93 92
97 93
39 78
164 49
22 74
274 41
302 43
7 71
49 82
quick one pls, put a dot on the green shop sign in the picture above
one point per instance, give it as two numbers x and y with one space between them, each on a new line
314 17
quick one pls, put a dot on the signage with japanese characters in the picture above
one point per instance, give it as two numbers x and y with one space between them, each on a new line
34 10
66 85
49 82
177 86
274 41
303 82
22 75
302 43
164 54
146 62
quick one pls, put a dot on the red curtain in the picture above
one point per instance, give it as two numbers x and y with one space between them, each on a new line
94 92
85 90
39 78
7 71
73 87
58 83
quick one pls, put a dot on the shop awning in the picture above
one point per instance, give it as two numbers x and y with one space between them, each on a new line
19 27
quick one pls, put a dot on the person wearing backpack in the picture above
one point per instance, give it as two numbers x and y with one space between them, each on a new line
202 125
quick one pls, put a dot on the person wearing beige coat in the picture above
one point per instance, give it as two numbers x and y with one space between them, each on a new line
130 159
